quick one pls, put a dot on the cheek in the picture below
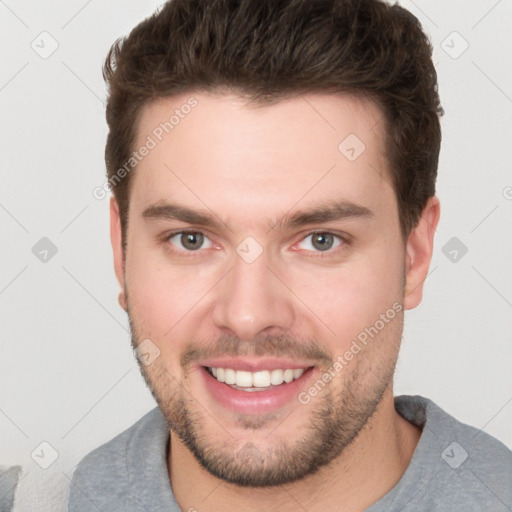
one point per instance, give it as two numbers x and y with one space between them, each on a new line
353 296
167 301
160 296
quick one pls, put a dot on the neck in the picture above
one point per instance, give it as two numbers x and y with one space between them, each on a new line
366 470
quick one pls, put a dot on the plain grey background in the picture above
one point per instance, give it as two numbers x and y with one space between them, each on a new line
68 378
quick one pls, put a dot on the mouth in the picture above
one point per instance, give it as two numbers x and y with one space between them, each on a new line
255 381
251 388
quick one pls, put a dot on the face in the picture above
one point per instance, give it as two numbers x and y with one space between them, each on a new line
266 278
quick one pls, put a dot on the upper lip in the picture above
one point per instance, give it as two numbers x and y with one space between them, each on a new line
255 365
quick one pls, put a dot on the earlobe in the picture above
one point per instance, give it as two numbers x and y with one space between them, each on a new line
419 249
122 300
117 248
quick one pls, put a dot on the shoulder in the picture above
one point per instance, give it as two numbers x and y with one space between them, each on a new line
105 476
486 450
475 466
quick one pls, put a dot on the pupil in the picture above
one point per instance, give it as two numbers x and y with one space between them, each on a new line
322 241
192 240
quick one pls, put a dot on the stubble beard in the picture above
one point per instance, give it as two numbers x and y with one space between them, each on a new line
336 416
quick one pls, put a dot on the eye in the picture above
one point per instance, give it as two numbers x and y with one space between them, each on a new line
320 241
189 240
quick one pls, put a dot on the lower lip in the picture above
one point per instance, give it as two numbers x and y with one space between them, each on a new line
254 402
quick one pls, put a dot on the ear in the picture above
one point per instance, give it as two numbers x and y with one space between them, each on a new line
418 253
117 247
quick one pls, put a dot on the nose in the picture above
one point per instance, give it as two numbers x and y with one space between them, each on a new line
251 300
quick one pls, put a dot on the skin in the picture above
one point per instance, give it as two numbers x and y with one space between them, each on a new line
250 166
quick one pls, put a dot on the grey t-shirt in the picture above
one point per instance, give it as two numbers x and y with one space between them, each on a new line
454 467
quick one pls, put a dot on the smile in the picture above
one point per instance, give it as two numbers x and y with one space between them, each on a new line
255 381
255 387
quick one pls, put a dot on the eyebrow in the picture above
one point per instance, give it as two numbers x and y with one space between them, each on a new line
328 211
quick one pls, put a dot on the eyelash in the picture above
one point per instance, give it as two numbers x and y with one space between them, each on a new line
345 241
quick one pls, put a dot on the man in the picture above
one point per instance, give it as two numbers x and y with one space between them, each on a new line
273 167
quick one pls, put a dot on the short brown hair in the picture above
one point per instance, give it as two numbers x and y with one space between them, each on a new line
270 49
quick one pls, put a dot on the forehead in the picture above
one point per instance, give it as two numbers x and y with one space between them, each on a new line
220 151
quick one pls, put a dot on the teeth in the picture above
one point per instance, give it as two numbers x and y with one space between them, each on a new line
297 373
276 377
229 376
243 379
288 375
261 379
